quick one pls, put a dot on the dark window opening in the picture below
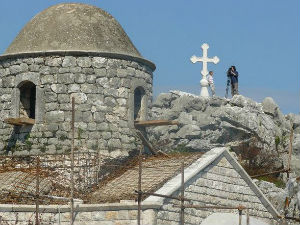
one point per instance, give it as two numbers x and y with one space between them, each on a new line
138 96
27 100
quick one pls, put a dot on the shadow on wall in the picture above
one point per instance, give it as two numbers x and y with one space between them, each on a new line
19 139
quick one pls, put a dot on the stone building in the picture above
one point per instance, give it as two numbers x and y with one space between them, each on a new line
211 179
72 50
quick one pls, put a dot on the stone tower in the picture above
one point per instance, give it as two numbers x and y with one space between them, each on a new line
72 50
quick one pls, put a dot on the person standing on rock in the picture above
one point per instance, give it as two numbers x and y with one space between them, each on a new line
233 74
210 80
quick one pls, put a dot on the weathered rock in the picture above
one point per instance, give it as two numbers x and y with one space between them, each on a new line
207 123
269 106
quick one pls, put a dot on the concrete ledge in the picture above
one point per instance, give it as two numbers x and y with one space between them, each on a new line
78 208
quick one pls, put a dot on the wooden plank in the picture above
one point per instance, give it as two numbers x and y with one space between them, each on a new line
19 121
147 123
146 143
12 121
27 121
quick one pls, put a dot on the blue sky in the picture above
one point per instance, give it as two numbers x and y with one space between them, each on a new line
260 37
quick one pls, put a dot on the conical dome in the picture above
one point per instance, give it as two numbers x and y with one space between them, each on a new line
73 27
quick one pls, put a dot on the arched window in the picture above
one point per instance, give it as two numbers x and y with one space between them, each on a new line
27 100
139 93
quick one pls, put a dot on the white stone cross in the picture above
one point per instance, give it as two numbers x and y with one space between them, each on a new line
204 59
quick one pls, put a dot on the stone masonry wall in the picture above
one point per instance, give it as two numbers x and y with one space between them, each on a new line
219 184
103 89
105 214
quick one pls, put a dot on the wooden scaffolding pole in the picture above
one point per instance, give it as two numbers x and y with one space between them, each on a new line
182 195
72 164
37 191
140 188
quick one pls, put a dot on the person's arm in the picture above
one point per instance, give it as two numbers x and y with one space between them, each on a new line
234 73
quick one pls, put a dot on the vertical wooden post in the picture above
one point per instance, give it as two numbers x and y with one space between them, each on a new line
290 151
37 191
140 188
182 195
240 216
72 164
248 218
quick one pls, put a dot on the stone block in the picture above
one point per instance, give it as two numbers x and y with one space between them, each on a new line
64 70
34 68
8 81
103 81
80 78
38 60
80 98
122 73
47 79
99 62
59 88
15 69
50 97
55 116
67 78
113 63
52 106
103 126
111 73
90 88
87 71
28 61
63 98
111 92
125 83
24 67
84 62
4 72
92 126
91 79
122 101
73 88
100 72
99 116
69 61
44 70
75 69
110 101
114 143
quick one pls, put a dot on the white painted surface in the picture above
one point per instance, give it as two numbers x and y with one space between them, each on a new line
204 59
230 218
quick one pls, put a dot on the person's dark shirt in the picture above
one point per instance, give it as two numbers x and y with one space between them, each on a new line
233 76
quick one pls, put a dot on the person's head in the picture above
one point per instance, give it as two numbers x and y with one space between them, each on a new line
211 73
233 68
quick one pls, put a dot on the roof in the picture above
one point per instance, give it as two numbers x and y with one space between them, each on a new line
200 165
156 171
73 27
162 176
19 182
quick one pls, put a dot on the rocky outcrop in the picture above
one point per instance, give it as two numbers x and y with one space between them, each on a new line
208 123
295 160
